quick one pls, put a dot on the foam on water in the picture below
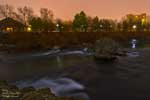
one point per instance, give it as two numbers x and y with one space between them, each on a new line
59 86
73 52
133 54
47 53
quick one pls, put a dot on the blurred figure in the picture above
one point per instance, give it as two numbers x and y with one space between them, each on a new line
133 42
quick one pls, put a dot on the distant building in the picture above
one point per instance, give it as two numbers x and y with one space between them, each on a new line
11 25
141 17
148 23
136 22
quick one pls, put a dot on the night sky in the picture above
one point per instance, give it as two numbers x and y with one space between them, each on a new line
66 9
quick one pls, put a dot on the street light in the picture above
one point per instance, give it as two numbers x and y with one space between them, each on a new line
57 25
29 28
134 27
143 21
136 16
101 26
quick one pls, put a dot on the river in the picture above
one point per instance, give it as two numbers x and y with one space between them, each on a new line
76 73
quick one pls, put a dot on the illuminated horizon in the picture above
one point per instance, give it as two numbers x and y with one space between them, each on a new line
66 9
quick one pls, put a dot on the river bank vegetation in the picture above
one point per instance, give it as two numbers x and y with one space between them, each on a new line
44 31
28 41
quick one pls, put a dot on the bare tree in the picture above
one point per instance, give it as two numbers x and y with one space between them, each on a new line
6 11
25 13
46 14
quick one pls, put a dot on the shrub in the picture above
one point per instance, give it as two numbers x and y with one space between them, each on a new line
106 46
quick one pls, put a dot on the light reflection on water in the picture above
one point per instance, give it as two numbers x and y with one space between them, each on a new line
133 54
58 59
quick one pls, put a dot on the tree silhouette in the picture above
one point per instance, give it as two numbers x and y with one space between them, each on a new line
6 11
95 24
80 23
25 13
46 14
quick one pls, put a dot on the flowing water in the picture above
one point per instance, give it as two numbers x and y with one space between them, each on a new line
76 73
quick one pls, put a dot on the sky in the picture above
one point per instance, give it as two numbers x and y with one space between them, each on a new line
66 9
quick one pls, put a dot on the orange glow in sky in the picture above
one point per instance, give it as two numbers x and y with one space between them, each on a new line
66 9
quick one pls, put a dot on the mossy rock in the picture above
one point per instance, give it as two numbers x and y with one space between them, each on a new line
27 89
106 49
41 94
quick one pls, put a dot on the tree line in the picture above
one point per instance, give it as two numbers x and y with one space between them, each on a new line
82 31
27 41
81 22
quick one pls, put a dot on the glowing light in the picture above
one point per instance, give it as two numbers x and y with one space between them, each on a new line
145 29
134 26
136 16
101 26
57 29
57 25
9 29
29 29
143 21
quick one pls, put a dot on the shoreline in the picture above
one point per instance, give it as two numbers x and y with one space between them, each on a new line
12 92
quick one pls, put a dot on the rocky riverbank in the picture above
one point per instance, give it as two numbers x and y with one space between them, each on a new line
10 92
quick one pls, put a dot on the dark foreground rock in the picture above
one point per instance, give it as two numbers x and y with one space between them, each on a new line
9 92
105 58
106 49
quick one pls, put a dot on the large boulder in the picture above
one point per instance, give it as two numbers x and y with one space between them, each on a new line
106 49
27 90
